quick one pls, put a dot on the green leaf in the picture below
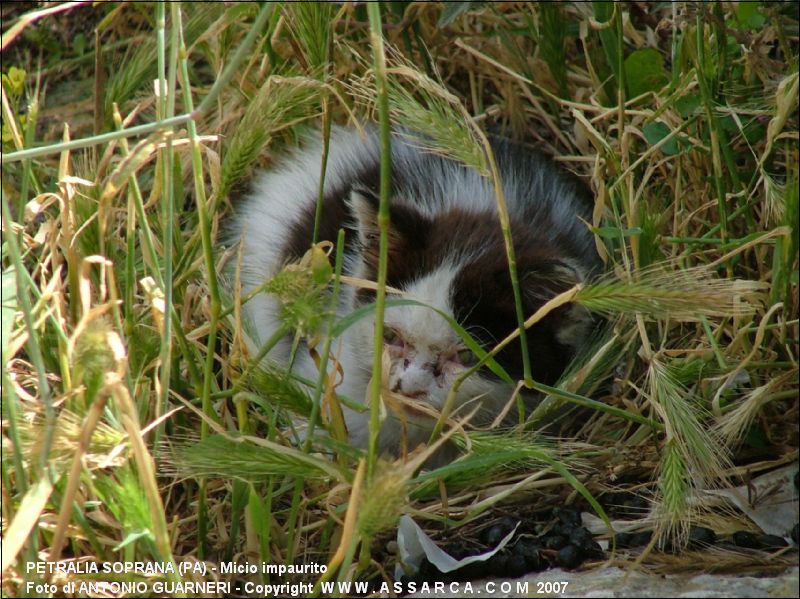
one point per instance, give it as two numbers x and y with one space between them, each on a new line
133 537
751 129
748 15
603 13
14 81
644 71
686 105
79 44
452 10
655 132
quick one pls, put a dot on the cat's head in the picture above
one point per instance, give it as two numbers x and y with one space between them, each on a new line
455 261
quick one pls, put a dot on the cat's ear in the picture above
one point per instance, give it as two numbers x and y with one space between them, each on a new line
542 281
363 204
406 224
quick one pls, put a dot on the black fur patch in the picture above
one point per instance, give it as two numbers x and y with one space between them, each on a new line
484 301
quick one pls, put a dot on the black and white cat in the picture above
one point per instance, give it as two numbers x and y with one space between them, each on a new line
446 250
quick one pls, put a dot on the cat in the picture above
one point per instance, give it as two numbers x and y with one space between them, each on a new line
446 250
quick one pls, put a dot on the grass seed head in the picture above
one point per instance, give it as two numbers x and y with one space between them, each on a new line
384 500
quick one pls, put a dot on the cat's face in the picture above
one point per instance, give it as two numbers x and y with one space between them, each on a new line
426 355
456 263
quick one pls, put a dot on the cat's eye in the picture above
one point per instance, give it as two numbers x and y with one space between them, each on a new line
391 337
466 357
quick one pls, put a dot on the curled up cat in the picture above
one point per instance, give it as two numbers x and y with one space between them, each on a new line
446 251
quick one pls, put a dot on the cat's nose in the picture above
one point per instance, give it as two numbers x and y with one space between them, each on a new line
413 381
407 393
407 389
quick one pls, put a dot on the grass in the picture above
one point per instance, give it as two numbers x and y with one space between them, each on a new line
137 427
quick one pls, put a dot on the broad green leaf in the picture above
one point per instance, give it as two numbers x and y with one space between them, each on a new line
644 72
655 132
748 15
686 105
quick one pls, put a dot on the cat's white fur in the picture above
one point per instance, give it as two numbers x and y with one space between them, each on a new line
282 195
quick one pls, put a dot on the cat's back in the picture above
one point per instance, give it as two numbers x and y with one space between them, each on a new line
276 220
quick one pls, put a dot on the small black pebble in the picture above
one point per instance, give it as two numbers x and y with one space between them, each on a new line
494 534
630 505
570 557
445 576
771 542
563 529
516 566
579 536
524 545
700 536
556 541
569 516
427 571
640 539
497 564
535 562
508 522
529 551
591 548
425 567
474 571
746 539
796 532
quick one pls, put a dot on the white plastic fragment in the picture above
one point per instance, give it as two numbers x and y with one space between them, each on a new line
769 500
414 544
